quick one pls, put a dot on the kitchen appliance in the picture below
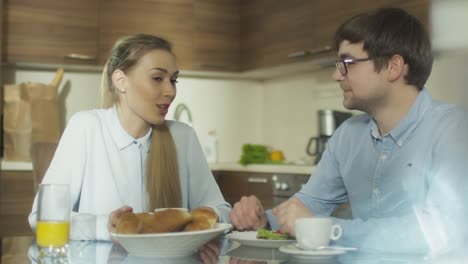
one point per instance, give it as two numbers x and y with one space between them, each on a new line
328 122
286 185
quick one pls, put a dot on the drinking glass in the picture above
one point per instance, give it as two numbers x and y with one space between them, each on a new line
53 221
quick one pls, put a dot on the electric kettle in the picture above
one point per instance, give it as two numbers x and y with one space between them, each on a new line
328 122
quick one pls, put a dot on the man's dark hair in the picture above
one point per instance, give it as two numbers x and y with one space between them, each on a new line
389 31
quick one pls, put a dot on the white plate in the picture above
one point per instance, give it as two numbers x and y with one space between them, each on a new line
292 249
249 238
175 244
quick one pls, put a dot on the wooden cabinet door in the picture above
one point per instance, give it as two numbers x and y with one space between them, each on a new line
252 34
169 19
261 185
288 27
280 32
216 38
51 31
234 185
16 199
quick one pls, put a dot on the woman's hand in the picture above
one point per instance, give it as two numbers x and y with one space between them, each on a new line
209 253
114 217
248 214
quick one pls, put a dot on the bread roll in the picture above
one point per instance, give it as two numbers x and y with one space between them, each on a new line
203 219
129 223
168 220
147 219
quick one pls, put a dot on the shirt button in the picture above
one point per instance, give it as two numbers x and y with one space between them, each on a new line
383 156
135 142
376 191
399 143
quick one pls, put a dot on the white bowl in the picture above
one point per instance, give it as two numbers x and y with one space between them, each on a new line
174 244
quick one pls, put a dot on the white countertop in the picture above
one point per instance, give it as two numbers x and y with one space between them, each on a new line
15 165
227 166
267 168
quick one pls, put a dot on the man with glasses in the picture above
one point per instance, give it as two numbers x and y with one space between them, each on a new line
402 165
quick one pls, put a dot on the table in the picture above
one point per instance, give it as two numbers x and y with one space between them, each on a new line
20 250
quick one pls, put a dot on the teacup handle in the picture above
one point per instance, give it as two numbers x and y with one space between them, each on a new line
336 232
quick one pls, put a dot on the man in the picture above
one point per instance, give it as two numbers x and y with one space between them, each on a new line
402 165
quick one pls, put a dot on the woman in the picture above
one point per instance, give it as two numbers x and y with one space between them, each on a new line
127 156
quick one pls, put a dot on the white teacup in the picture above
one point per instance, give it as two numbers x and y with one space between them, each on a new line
315 232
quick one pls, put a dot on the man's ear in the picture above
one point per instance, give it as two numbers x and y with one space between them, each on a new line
397 68
119 79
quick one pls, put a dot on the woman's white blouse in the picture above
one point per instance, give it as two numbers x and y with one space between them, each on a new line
105 168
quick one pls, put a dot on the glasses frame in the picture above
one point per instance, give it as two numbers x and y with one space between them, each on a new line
342 65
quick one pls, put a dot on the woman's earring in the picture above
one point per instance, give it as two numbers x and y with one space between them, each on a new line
122 90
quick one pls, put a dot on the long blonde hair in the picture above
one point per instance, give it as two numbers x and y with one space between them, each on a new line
162 175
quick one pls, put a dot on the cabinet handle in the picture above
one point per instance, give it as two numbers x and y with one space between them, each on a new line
257 180
76 56
304 53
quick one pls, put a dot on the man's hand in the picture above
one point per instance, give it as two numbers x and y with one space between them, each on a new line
248 214
287 212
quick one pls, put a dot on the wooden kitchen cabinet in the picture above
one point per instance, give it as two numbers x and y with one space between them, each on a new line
16 199
252 34
51 31
283 32
235 184
207 35
216 39
169 19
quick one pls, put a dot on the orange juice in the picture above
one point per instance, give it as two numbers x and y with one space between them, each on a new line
50 233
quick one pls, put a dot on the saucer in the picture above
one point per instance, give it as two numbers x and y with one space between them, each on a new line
292 249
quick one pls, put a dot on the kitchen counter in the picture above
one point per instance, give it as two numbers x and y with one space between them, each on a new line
222 166
268 168
15 165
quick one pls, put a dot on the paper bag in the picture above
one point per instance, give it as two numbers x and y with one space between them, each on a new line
31 113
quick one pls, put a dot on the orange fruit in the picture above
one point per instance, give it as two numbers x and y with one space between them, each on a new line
276 155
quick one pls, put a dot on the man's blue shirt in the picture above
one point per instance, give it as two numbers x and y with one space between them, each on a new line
405 187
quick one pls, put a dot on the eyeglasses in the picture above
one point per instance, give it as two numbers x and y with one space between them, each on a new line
341 65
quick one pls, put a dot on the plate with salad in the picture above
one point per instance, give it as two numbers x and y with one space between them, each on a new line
261 238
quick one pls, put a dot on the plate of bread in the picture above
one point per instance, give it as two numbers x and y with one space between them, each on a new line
169 232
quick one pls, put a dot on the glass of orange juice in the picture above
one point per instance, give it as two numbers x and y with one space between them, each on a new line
53 220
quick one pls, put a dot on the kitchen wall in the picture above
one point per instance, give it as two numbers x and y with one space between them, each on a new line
291 103
280 112
231 107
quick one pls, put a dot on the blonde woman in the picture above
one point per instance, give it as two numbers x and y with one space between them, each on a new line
126 156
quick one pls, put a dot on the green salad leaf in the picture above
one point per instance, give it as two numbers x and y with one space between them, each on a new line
263 233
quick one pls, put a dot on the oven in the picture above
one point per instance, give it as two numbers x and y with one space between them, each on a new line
286 185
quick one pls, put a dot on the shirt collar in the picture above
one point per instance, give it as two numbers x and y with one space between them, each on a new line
409 123
121 137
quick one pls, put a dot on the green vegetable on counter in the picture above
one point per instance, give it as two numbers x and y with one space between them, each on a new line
252 153
263 233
